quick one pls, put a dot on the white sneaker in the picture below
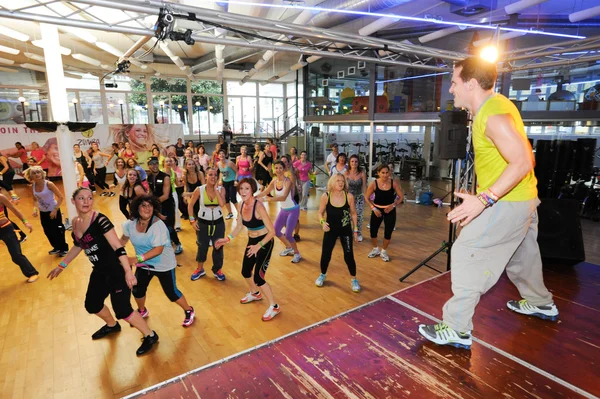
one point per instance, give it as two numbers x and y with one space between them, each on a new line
384 256
360 237
320 280
230 216
442 334
355 285
374 252
296 258
286 252
271 312
546 312
251 297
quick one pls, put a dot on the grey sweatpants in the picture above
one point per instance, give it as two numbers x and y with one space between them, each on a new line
502 236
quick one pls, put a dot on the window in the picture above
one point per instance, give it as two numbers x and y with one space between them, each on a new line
271 90
10 108
290 89
114 108
247 89
173 85
206 87
234 108
249 114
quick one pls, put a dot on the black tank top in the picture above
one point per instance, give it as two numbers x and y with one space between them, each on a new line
157 183
192 186
268 160
384 197
253 223
339 218
97 248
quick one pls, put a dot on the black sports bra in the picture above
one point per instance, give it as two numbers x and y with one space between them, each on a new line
253 223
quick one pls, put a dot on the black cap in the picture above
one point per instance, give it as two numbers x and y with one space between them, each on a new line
152 159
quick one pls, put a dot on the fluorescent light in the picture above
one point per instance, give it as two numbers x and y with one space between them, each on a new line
13 34
33 67
36 57
413 77
40 44
80 33
9 50
400 17
109 49
6 61
86 59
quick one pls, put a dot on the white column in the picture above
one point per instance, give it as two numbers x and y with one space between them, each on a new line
60 111
371 150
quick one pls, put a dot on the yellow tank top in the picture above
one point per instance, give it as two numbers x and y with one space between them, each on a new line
489 164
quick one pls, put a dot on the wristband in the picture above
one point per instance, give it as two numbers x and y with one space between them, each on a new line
322 221
373 208
356 230
486 200
261 244
24 220
62 265
140 258
492 195
230 237
192 219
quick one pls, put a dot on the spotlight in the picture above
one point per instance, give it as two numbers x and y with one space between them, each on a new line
489 54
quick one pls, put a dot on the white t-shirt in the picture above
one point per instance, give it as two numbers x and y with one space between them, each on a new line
331 159
156 236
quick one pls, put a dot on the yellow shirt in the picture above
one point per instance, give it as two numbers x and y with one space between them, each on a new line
489 163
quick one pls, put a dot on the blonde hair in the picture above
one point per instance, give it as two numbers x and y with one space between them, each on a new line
332 180
30 170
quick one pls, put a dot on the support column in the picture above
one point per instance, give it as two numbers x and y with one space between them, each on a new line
426 150
371 150
60 111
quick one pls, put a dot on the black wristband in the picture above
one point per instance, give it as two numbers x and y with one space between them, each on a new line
120 252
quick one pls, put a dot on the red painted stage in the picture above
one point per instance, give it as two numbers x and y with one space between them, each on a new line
375 351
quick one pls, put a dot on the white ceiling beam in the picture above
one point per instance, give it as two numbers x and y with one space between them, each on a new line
521 5
584 14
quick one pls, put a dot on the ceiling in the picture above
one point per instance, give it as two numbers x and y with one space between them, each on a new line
341 35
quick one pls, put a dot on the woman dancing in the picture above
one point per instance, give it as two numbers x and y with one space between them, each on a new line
338 204
357 184
8 174
203 158
111 276
193 178
169 169
154 255
132 164
340 166
243 163
228 172
263 171
100 169
7 234
86 163
132 188
304 167
119 179
254 216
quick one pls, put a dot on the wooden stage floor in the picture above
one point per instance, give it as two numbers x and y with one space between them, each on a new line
375 351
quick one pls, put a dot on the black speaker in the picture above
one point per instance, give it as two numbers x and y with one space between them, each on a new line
583 163
559 232
453 134
315 131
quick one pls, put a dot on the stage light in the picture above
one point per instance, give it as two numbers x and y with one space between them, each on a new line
489 54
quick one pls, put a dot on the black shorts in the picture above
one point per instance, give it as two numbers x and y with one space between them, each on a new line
167 280
101 286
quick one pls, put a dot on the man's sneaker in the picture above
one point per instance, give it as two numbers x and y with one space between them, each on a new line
384 256
320 280
22 239
286 252
178 229
297 237
442 334
104 194
190 315
105 330
271 312
197 274
251 297
219 275
355 285
374 253
147 343
230 216
63 253
360 237
54 252
178 249
33 278
546 312
297 257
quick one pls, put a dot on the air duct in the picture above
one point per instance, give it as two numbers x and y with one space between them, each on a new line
519 6
441 33
327 19
584 14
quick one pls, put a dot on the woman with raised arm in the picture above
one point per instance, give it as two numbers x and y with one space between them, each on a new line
154 254
205 207
193 178
254 216
111 276
338 205
228 173
7 234
357 184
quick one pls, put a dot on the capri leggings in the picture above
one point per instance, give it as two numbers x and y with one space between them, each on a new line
101 286
389 220
287 218
167 280
210 231
230 192
258 263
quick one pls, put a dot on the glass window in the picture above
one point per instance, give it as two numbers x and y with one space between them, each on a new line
134 84
333 129
74 112
290 89
206 87
173 85
390 129
267 123
215 113
278 115
200 119
402 129
10 108
247 89
36 106
114 108
91 106
234 108
161 108
356 128
138 107
179 111
249 116
88 82
271 90
344 129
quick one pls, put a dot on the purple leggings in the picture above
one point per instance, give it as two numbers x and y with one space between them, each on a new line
287 218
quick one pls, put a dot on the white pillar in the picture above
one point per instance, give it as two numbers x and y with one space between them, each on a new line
371 151
60 111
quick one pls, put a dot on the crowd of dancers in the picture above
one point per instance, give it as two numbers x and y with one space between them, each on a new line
183 182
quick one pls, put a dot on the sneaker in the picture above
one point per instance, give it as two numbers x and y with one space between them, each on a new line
368 225
144 313
105 330
230 216
190 315
320 280
394 228
384 256
297 237
111 194
546 312
147 343
197 274
271 312
178 249
219 275
297 257
360 237
104 194
286 252
251 297
22 239
442 334
33 278
178 229
374 252
355 285
63 253
15 199
54 252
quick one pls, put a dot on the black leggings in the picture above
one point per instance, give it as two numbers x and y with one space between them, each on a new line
258 263
7 234
182 204
329 239
207 232
168 210
101 286
123 204
54 230
15 226
167 279
7 179
230 192
101 178
389 220
89 173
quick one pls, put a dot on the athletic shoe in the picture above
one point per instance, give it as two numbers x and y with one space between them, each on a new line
178 249
441 334
22 239
219 275
286 252
297 257
15 199
374 252
63 253
111 194
320 280
178 229
355 285
384 255
273 311
197 274
147 343
104 194
230 216
105 330
251 297
360 237
297 237
368 225
54 252
546 312
33 278
190 315
394 228
144 313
